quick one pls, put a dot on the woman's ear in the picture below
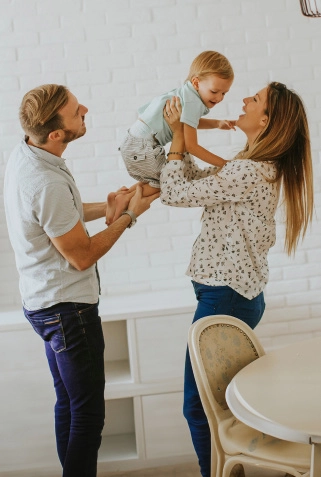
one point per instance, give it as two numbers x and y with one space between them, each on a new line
195 82
264 120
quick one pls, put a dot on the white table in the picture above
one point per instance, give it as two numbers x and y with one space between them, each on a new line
280 394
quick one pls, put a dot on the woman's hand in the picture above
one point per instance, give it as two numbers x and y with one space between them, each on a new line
172 113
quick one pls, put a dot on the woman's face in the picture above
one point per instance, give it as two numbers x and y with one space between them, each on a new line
254 119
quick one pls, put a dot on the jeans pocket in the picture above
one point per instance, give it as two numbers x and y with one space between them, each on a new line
86 307
50 329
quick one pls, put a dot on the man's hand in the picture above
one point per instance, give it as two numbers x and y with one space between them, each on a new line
82 251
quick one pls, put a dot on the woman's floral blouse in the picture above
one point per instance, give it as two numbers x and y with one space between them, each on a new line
238 225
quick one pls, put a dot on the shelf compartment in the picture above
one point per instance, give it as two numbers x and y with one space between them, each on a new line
163 417
117 363
118 448
118 436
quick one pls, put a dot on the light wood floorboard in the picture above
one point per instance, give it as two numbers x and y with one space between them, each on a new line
185 470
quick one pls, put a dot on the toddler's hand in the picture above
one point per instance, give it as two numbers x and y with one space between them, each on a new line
227 124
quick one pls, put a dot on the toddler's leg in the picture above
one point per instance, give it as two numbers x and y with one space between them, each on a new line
149 190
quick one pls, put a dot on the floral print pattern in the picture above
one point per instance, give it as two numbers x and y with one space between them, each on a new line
238 226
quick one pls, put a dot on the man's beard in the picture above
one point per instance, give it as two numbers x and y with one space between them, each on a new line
72 135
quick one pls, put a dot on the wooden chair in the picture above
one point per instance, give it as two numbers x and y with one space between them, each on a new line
219 347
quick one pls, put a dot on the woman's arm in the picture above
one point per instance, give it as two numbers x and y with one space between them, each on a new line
235 182
172 114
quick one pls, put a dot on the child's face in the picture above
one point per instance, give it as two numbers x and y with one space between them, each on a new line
211 89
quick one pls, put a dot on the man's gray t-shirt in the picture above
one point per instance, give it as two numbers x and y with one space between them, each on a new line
42 201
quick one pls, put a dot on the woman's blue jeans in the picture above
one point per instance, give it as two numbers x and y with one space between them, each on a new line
218 300
74 345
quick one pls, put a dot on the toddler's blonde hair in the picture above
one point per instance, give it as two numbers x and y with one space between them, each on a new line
210 63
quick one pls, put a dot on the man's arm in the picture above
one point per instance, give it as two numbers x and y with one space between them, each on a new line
94 210
82 251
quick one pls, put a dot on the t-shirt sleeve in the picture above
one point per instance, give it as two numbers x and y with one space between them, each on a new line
192 112
235 182
55 210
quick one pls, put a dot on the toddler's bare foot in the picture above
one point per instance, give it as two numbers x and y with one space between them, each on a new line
117 202
111 207
121 203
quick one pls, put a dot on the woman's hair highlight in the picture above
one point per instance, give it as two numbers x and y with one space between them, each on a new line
285 140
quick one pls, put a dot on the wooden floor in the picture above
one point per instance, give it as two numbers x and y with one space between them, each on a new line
186 470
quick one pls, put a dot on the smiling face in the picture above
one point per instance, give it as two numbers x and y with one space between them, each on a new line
211 89
73 116
255 118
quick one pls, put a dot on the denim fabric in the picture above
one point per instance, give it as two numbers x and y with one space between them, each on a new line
74 346
218 300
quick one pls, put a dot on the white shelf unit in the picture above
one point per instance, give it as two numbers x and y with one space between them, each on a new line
144 362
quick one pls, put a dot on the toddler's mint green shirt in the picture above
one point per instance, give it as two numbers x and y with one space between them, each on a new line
193 109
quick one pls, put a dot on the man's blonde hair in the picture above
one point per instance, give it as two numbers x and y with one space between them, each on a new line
210 63
39 111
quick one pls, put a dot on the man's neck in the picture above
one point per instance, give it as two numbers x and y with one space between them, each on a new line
56 149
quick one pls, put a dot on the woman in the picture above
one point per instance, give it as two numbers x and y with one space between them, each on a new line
228 265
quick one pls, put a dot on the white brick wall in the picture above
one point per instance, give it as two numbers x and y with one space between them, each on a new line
117 54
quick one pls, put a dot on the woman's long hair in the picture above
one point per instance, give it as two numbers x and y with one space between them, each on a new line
286 141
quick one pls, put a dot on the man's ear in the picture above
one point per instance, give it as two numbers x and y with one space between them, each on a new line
195 82
55 135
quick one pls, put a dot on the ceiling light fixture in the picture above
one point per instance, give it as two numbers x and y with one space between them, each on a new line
311 8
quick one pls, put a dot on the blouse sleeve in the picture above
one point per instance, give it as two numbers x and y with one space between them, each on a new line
192 171
235 182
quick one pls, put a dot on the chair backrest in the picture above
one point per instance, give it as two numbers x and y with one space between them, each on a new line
219 346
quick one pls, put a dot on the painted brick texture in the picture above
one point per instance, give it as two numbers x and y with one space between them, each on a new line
116 55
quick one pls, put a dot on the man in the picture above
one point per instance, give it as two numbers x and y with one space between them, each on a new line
56 260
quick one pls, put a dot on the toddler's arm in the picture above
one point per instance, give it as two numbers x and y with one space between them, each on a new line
195 149
216 123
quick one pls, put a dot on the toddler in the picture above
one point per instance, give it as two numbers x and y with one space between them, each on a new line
210 78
